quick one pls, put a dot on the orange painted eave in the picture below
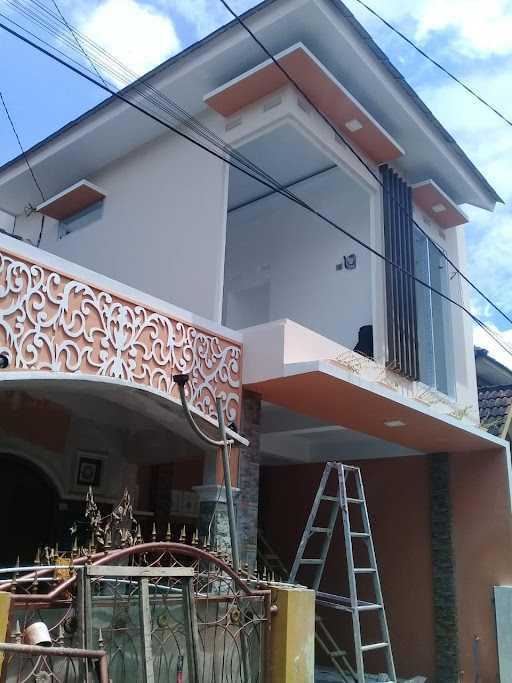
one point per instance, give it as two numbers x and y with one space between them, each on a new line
71 201
427 195
329 96
335 401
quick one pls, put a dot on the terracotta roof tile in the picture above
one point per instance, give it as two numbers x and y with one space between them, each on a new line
495 404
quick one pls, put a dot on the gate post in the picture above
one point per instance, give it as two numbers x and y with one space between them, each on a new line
292 636
5 607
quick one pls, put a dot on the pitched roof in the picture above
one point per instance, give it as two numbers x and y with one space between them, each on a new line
495 405
364 36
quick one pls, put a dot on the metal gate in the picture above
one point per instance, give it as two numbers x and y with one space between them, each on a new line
161 611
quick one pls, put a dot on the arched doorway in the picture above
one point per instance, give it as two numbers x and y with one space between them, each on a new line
28 510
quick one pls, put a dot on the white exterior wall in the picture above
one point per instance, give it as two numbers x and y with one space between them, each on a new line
162 229
281 261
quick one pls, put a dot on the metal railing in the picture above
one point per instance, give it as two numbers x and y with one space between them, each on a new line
23 663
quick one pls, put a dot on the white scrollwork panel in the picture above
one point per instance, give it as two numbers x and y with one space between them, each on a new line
51 322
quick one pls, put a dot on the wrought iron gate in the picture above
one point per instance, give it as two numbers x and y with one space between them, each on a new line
161 611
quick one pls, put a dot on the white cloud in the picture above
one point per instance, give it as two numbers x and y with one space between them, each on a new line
484 340
136 34
488 142
479 27
207 15
484 136
482 27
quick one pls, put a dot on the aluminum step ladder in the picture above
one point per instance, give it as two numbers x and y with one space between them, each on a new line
268 559
345 474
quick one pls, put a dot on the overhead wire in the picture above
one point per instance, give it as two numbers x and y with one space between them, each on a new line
376 177
435 62
75 37
122 97
201 129
122 73
24 154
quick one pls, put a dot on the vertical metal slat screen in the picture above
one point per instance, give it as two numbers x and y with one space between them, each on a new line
400 288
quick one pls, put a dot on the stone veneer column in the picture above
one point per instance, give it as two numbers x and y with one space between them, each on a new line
213 515
249 478
443 566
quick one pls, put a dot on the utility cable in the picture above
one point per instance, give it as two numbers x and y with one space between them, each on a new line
70 29
122 97
24 154
202 130
403 209
121 72
435 62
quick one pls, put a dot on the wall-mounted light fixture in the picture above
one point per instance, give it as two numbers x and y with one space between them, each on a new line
354 125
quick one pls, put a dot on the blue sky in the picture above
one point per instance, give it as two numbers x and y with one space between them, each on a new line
472 38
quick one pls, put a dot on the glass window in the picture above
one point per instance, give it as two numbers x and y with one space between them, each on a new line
435 340
81 219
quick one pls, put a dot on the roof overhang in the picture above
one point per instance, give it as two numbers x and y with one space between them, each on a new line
113 129
320 389
429 197
72 200
321 88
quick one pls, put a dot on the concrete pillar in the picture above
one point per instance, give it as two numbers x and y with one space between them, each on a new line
249 478
292 640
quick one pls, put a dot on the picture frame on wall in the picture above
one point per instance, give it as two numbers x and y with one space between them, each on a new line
89 470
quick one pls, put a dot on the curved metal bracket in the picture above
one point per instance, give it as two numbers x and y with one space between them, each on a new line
181 380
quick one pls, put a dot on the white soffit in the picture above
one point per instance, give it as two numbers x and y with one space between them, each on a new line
108 132
321 87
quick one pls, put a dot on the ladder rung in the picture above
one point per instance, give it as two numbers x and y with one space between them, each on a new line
359 534
357 501
333 499
338 653
319 530
369 607
364 570
374 646
310 561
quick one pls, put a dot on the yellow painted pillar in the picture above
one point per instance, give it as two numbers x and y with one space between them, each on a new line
5 606
292 642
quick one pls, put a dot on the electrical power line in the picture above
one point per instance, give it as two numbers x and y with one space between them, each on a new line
397 202
187 119
435 62
122 73
73 33
21 146
122 97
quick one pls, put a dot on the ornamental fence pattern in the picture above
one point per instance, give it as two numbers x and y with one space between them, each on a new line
51 322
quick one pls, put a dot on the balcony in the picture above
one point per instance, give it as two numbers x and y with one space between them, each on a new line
61 321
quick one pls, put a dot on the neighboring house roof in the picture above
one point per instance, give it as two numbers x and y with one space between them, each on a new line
495 404
365 38
489 371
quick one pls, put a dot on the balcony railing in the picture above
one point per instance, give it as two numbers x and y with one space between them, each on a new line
55 322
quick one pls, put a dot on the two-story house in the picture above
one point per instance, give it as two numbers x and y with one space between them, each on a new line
150 256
